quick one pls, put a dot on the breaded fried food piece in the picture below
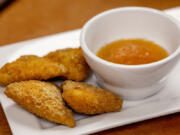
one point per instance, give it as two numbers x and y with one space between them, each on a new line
30 67
73 60
41 98
85 98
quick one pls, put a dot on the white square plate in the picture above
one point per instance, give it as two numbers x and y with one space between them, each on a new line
22 122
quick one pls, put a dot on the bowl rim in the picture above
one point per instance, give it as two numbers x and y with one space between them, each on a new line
87 51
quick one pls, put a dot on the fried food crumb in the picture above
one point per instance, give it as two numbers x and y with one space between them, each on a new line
85 98
41 98
73 60
30 67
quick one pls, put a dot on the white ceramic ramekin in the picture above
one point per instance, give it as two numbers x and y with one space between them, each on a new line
131 81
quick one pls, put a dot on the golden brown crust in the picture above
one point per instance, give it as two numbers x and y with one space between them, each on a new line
41 98
73 60
85 98
30 67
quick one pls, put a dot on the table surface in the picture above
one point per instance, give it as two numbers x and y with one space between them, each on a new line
27 19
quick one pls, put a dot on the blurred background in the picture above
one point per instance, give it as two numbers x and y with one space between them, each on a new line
27 19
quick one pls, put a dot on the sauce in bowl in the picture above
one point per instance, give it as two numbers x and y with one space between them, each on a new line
132 52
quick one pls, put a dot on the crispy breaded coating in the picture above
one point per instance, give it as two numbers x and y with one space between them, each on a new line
30 67
41 98
73 60
85 98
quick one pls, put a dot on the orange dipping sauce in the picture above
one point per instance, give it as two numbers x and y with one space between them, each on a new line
132 52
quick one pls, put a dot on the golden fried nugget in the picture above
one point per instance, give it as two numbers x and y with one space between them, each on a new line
73 60
41 98
85 98
30 67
